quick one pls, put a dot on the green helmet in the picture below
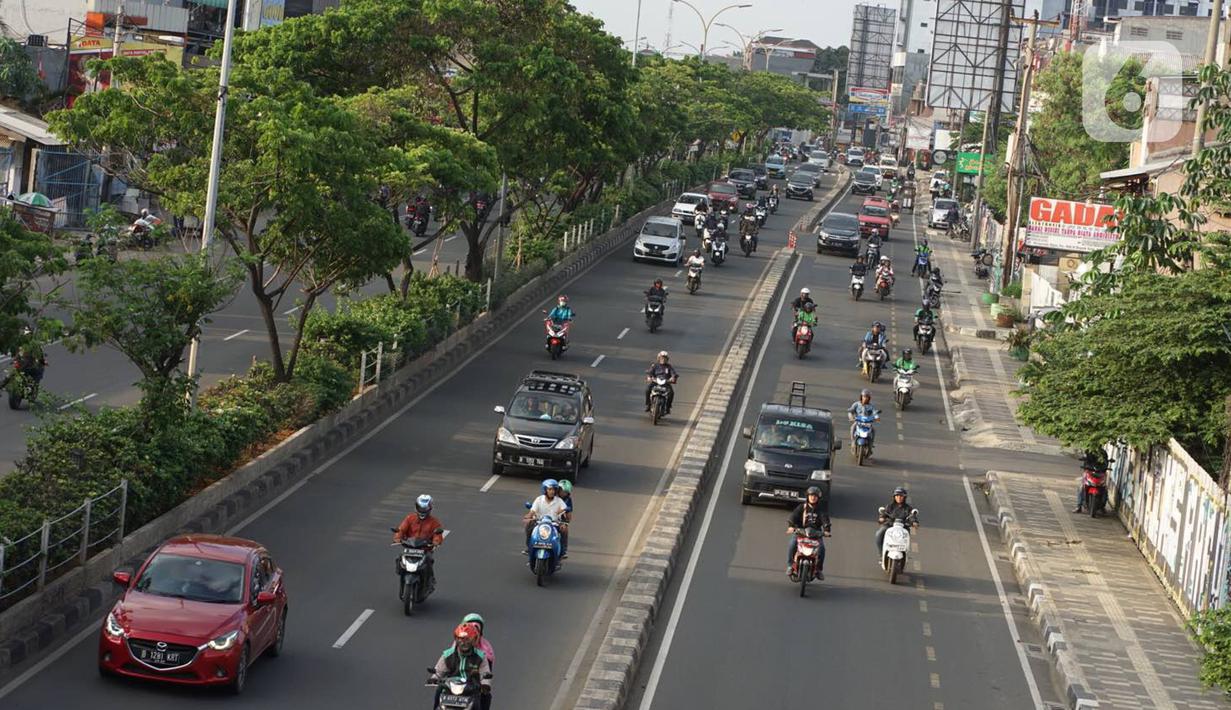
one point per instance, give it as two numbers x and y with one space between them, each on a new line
474 618
566 488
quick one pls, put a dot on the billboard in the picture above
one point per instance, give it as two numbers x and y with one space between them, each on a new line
871 50
1066 225
969 163
84 48
868 95
866 110
965 47
918 132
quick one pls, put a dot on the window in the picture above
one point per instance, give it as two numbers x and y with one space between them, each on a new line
1175 34
1138 32
923 24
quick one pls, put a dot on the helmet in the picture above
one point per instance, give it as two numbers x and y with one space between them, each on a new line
813 491
809 306
658 282
550 483
466 633
145 213
924 241
474 619
906 353
884 258
423 505
804 291
566 487
664 354
899 491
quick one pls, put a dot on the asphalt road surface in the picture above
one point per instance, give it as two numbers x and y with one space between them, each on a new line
734 632
331 534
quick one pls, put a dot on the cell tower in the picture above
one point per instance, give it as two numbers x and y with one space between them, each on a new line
670 19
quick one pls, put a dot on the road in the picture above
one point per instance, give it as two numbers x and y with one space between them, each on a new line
734 632
331 535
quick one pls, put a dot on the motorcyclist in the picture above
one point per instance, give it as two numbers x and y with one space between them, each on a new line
860 267
809 514
696 259
422 525
805 296
923 314
485 702
874 339
549 503
420 210
657 292
874 242
906 363
898 509
749 225
562 313
864 408
922 249
661 368
464 658
953 217
885 270
805 316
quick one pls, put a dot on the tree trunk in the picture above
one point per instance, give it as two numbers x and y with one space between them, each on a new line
266 304
1224 476
474 252
393 287
303 318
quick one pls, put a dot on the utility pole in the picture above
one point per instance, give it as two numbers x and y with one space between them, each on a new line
636 34
836 109
504 196
992 116
1211 57
1015 165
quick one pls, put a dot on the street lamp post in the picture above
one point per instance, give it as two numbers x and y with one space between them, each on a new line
215 166
637 34
747 43
705 24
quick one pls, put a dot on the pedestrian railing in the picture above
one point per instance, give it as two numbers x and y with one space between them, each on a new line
60 543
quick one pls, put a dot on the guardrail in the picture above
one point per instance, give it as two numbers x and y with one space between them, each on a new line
59 543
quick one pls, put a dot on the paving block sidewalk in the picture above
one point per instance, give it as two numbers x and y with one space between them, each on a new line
1112 633
984 374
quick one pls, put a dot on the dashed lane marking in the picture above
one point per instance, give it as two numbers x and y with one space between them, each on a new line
232 336
490 482
597 360
927 629
935 677
931 651
353 628
79 400
622 334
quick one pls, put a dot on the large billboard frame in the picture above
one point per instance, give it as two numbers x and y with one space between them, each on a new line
869 64
965 47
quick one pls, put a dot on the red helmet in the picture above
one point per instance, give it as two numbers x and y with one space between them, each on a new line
466 633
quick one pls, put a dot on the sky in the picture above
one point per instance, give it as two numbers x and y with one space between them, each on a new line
825 22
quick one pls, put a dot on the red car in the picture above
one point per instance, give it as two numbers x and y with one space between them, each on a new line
723 193
874 217
199 611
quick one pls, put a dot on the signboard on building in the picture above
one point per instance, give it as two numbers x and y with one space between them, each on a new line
84 48
969 163
866 110
1070 226
966 50
918 133
868 95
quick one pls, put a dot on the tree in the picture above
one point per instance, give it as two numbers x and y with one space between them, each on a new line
18 78
300 170
776 100
149 311
27 260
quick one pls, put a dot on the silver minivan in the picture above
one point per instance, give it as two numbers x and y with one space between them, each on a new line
661 239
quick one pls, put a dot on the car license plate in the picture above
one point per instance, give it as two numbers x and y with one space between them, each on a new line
454 700
166 658
785 494
530 461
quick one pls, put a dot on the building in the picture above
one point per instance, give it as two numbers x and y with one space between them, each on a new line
1186 34
782 55
1100 11
912 46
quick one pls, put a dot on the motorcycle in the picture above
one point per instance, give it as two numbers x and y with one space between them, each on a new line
862 445
718 251
456 693
21 385
805 566
983 259
141 235
762 213
411 566
856 286
658 399
694 279
557 337
654 308
896 544
1094 482
924 334
872 255
773 204
803 339
883 287
922 265
873 363
931 294
904 384
543 548
745 243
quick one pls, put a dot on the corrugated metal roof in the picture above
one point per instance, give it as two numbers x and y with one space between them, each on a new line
27 126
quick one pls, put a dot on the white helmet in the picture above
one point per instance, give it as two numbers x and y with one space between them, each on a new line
804 291
664 353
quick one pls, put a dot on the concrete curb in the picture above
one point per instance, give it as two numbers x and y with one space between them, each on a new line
1042 609
37 623
619 655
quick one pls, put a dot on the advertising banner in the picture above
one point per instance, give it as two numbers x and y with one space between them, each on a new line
969 163
1065 225
866 110
918 133
85 48
865 95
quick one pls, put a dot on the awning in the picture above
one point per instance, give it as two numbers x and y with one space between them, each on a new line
16 123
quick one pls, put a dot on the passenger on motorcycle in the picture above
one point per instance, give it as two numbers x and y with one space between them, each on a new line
566 495
864 408
906 362
804 316
809 514
549 503
422 525
661 368
464 658
485 702
562 313
657 292
898 509
885 270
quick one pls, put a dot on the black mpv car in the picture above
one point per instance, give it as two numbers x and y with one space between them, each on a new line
548 426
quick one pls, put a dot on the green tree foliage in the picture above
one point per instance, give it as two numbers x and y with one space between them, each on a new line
27 260
18 78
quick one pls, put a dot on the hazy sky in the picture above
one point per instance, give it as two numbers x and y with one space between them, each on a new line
826 22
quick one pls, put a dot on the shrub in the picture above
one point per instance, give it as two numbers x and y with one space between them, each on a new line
328 383
1211 630
1013 290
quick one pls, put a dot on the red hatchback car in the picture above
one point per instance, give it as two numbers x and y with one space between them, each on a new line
198 612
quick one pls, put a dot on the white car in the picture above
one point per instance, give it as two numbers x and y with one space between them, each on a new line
685 208
938 217
854 154
820 158
661 239
888 161
874 172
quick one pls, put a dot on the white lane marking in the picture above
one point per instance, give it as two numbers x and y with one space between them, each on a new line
232 336
1018 643
354 627
597 360
622 334
449 239
490 482
634 541
79 400
287 313
647 700
940 375
417 252
677 274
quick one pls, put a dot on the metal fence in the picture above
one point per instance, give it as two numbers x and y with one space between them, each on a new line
61 173
1178 516
27 563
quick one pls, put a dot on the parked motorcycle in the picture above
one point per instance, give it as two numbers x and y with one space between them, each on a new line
84 250
856 286
694 279
896 544
654 308
543 548
718 249
1094 483
806 564
803 339
557 337
457 693
861 447
904 384
983 260
658 399
412 565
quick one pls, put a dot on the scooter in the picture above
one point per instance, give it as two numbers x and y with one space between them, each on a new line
21 385
856 286
762 214
803 339
1094 482
922 265
654 308
658 399
84 250
557 337
718 249
872 255
806 564
773 204
925 333
862 444
983 259
745 243
411 567
543 548
694 279
904 384
873 363
456 693
896 544
883 287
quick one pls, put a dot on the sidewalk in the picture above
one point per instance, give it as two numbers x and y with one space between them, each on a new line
1109 627
984 374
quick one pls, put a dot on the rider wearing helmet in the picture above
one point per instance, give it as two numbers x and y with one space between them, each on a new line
485 646
805 316
464 658
885 270
566 495
874 339
422 525
696 260
898 509
562 313
864 408
809 514
661 368
906 363
656 292
805 296
549 504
